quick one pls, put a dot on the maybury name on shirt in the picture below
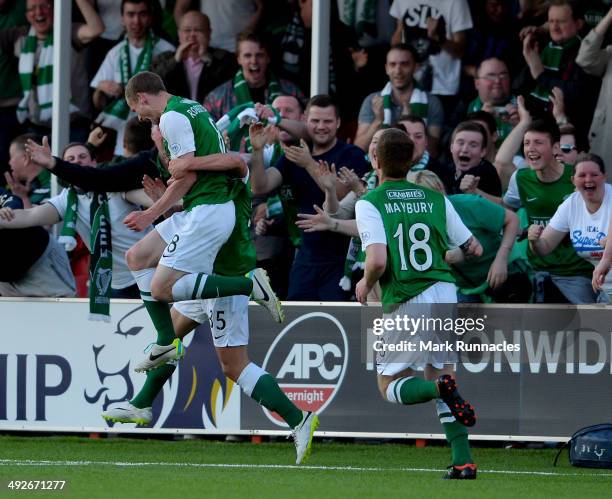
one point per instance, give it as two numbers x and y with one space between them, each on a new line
404 201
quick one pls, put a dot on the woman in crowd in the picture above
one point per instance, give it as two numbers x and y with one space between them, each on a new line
585 216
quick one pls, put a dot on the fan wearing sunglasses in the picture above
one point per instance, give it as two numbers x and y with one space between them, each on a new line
568 151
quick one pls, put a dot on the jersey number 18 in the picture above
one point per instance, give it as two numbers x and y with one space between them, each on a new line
416 244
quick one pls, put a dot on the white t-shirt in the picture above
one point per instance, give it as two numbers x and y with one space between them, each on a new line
456 14
176 129
585 228
110 70
110 12
122 238
372 230
228 18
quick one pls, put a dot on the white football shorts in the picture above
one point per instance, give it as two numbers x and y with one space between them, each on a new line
228 317
193 238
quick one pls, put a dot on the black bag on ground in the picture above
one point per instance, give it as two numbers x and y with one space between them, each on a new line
590 447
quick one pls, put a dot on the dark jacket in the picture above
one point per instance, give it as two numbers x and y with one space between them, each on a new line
221 67
123 176
580 91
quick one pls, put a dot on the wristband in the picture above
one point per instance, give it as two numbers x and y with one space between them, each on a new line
465 246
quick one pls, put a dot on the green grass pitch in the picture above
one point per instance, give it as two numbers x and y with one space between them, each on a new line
134 468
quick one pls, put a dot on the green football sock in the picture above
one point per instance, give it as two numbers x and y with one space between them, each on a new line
156 378
456 436
162 321
414 390
267 393
194 286
217 285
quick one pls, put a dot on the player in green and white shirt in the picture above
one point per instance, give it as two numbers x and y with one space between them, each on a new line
181 269
228 318
540 189
406 231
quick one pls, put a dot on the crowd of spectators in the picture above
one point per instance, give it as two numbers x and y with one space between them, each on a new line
506 102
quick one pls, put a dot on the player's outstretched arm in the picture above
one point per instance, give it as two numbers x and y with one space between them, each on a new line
213 162
44 214
140 220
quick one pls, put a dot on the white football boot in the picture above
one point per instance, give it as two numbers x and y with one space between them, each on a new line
129 414
302 436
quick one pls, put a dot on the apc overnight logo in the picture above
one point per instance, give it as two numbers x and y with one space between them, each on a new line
309 359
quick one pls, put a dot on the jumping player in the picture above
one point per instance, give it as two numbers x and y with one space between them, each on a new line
181 269
228 317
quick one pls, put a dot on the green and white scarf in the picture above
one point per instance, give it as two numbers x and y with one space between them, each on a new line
237 120
355 256
272 153
290 210
68 233
421 164
101 251
419 104
358 14
243 95
116 113
274 203
553 57
38 77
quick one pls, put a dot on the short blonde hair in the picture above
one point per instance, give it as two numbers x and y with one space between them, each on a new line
428 179
145 82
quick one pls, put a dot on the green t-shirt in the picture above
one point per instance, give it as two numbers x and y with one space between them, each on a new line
486 222
187 127
541 200
237 256
415 227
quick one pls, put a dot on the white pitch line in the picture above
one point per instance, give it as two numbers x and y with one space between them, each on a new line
30 462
